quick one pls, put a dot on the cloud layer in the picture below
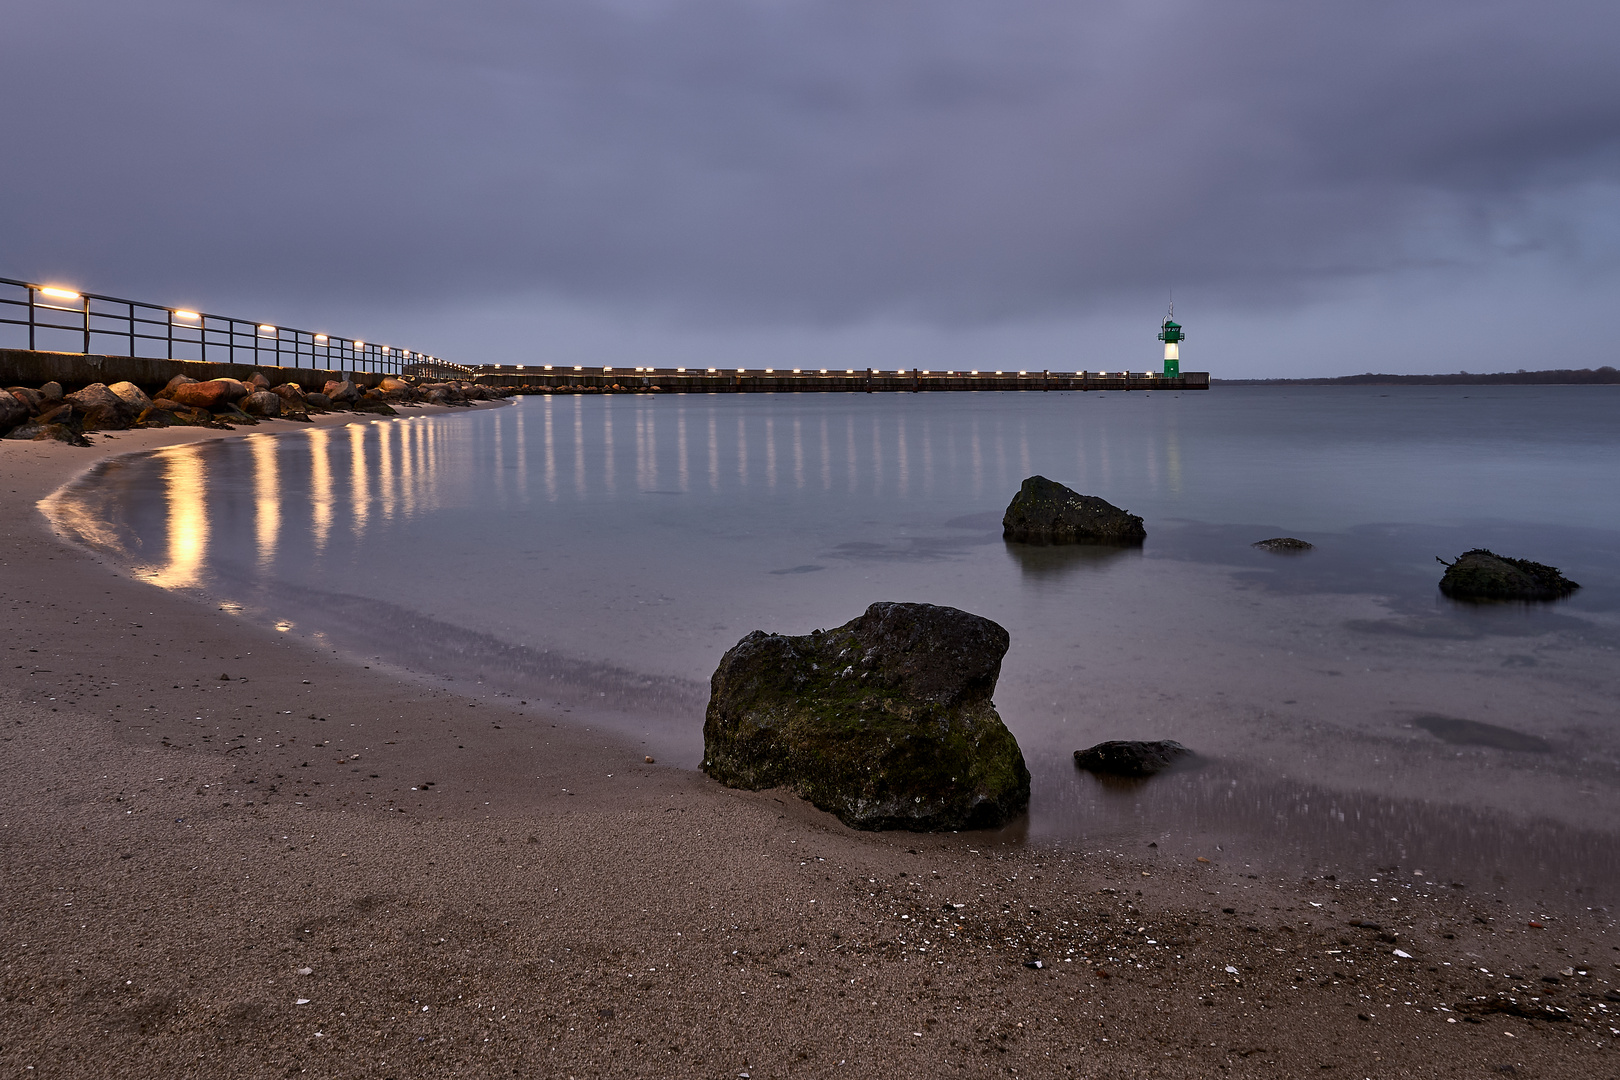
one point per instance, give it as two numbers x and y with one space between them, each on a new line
823 163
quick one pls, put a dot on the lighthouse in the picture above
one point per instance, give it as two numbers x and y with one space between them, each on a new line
1170 333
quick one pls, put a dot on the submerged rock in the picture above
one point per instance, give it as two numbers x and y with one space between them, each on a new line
1046 512
1484 575
1129 757
885 721
1283 544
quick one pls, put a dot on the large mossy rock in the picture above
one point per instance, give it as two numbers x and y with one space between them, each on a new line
1046 512
1484 575
885 721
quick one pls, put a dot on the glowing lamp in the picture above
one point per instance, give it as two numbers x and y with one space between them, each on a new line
189 316
57 293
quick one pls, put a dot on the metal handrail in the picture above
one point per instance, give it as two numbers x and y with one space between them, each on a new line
132 322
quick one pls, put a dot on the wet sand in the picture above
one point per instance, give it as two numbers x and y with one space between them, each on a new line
315 867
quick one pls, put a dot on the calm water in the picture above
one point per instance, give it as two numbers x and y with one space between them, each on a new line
600 553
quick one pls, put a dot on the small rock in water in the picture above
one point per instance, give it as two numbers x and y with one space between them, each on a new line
1046 512
650 759
1128 757
1484 575
306 971
1283 544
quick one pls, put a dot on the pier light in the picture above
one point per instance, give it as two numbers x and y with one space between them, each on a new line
824 371
1023 373
266 328
320 339
548 367
189 316
359 344
578 368
711 371
998 373
56 292
796 371
520 367
606 368
680 371
770 371
974 372
741 370
925 373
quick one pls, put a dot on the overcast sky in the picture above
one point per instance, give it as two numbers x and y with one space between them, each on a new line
1416 185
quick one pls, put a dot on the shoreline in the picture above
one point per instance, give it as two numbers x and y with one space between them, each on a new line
625 918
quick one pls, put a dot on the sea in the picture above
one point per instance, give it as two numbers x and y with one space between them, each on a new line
593 556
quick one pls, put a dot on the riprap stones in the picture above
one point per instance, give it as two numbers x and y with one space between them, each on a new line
1046 512
1484 575
885 721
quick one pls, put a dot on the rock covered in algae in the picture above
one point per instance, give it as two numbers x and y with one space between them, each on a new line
1484 575
1046 512
885 721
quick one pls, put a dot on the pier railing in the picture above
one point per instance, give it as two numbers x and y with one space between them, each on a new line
60 319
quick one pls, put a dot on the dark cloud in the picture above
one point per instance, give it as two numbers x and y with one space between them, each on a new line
940 160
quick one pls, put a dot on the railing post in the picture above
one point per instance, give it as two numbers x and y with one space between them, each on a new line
131 328
30 318
84 305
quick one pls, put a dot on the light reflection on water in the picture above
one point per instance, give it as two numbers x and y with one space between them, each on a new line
606 560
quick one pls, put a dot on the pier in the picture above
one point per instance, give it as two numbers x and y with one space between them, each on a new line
858 380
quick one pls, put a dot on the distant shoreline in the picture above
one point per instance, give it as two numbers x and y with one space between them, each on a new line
1556 377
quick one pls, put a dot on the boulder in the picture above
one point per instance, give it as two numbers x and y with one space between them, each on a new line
59 424
396 389
1484 575
32 399
52 391
12 412
1127 757
212 395
235 389
1283 544
230 414
101 409
261 403
294 403
155 417
885 721
257 382
34 431
318 401
342 393
374 405
1046 512
170 387
131 395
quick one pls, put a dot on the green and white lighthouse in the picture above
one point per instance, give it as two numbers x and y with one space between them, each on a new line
1170 333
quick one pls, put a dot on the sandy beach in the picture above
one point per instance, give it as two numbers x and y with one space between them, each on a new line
229 853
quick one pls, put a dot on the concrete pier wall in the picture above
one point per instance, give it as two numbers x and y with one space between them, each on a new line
23 367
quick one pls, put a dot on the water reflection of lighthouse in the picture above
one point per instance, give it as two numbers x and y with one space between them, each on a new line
1170 333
